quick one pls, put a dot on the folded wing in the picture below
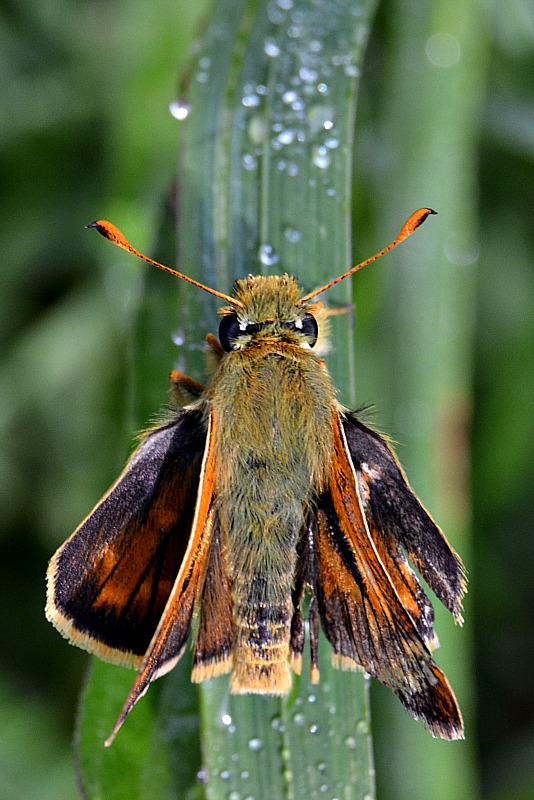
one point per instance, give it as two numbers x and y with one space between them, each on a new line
372 609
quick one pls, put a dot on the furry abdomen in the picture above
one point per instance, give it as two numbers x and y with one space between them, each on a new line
273 407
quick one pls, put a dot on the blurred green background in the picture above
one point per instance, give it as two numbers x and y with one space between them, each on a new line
85 133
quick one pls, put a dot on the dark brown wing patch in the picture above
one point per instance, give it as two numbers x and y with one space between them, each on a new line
109 583
400 521
170 637
361 604
213 646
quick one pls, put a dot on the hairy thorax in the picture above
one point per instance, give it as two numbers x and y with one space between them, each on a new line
273 406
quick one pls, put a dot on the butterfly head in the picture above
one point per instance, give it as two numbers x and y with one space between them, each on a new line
267 308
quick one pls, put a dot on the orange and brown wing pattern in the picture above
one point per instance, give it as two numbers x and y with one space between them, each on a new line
366 612
109 583
401 524
169 639
215 633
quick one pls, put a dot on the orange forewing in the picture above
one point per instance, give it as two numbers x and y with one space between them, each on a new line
109 583
171 634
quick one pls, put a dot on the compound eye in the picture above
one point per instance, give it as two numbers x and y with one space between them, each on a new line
229 331
310 329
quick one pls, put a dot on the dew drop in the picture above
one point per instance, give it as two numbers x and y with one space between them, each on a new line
270 48
268 256
245 775
180 109
320 157
461 251
287 136
322 88
278 725
292 235
320 117
443 50
314 729
234 796
225 774
332 142
362 727
351 71
350 742
289 96
177 337
255 745
276 16
312 698
250 101
299 718
308 75
249 162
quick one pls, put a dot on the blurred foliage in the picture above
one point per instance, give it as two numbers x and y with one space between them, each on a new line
85 133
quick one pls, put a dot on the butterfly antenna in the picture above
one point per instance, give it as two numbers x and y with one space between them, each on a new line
411 224
109 231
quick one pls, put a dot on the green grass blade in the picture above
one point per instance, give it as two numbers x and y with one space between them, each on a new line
265 188
142 764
